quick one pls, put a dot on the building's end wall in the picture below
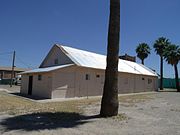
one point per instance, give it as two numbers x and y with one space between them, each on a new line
24 84
40 88
57 55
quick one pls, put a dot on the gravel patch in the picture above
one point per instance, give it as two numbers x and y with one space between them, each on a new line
148 114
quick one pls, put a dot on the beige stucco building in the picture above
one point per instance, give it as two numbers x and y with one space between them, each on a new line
68 72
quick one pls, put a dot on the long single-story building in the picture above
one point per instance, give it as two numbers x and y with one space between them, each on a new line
6 72
68 72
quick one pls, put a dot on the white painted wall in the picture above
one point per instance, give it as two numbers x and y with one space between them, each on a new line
63 84
55 53
42 88
24 84
71 82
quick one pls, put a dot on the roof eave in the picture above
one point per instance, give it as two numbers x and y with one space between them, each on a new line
64 66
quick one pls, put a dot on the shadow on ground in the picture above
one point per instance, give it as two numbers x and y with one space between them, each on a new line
28 96
169 90
41 121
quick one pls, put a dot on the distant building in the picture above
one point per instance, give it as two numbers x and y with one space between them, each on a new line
128 58
5 72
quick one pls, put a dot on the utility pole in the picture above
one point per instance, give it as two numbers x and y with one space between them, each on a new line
13 66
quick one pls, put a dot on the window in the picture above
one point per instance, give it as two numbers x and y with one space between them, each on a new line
143 79
56 61
87 77
39 77
97 76
149 81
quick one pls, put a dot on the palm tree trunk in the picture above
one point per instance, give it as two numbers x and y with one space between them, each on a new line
161 79
142 61
110 103
176 77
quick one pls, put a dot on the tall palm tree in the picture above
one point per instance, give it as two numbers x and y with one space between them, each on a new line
110 103
160 46
172 56
143 50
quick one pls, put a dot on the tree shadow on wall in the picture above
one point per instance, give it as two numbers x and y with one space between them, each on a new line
45 120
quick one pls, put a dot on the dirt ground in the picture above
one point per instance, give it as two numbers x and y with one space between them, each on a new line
12 89
141 114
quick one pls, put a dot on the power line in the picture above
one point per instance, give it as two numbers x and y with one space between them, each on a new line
18 59
5 59
5 53
24 63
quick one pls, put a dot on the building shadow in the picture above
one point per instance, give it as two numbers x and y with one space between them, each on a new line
168 90
28 96
45 120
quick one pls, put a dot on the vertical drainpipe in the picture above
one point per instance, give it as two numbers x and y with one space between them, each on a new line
74 82
88 83
134 83
52 85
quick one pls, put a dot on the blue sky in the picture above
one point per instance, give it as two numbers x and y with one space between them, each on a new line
31 27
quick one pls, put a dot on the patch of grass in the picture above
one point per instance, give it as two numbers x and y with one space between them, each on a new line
120 117
175 110
135 98
128 104
14 105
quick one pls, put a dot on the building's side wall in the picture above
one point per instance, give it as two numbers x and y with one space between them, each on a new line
91 85
24 84
40 88
133 83
63 83
76 81
54 54
127 83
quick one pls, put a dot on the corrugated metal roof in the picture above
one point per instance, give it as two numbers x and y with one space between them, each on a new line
48 69
98 61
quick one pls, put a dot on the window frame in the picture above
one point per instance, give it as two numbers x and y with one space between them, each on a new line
39 77
56 61
87 77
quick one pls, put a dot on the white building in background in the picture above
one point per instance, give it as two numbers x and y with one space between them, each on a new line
68 72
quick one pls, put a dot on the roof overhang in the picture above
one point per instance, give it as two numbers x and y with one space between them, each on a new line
46 70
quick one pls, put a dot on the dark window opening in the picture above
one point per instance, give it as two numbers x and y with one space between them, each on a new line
56 61
97 76
143 79
39 77
87 77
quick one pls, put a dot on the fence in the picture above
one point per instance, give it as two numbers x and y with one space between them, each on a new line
169 83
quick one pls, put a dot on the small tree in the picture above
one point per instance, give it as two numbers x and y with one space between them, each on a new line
143 50
172 56
160 46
